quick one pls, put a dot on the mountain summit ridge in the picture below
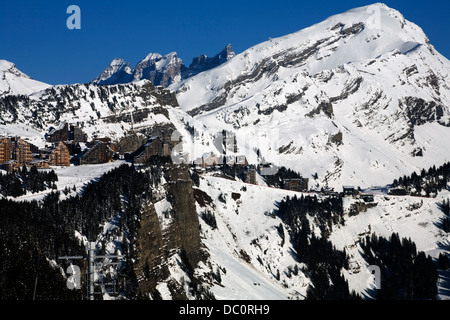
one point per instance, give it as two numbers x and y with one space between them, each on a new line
160 70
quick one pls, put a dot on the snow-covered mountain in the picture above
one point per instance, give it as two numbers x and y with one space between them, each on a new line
14 82
160 70
113 111
360 98
117 72
204 63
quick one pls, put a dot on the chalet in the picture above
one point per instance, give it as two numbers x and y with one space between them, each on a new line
58 134
367 197
64 132
40 163
106 140
207 160
100 152
397 192
210 160
59 156
296 184
239 160
250 175
75 134
14 148
73 147
153 147
349 191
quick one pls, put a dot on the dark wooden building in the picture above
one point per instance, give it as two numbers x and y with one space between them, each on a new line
10 165
153 147
59 156
58 134
66 132
367 197
349 191
75 134
100 152
250 175
296 184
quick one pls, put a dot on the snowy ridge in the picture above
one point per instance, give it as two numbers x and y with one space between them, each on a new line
101 111
160 70
13 81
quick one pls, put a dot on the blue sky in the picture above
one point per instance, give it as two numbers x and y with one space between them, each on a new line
33 34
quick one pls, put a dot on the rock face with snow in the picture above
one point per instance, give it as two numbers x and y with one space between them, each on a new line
118 72
359 98
112 111
13 81
204 63
160 70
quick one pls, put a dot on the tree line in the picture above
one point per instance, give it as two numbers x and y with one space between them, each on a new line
406 274
19 182
326 211
427 183
323 261
32 232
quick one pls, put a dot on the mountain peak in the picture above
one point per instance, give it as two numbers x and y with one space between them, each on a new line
203 62
7 66
227 53
151 57
13 81
160 70
117 72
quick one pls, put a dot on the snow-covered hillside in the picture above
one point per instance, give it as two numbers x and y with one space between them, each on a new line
359 98
259 264
101 111
246 242
13 81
